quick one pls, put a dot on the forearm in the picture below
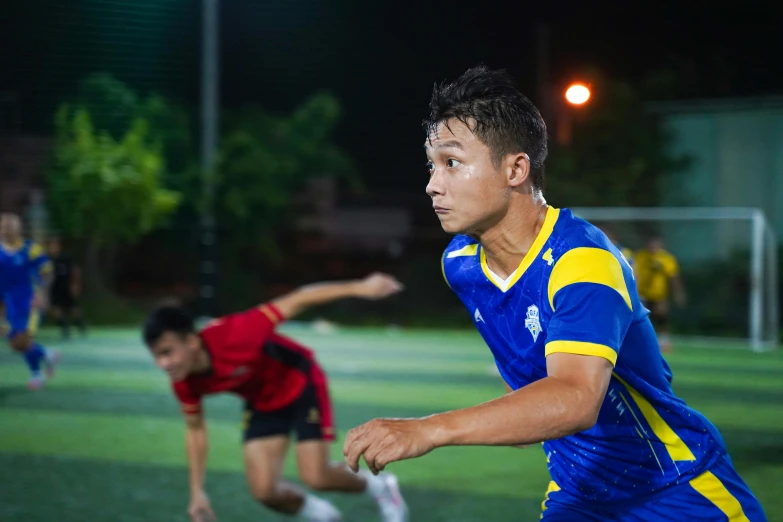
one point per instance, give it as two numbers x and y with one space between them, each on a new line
196 446
315 294
546 409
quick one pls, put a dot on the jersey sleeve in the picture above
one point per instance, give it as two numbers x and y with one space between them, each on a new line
592 308
189 401
246 330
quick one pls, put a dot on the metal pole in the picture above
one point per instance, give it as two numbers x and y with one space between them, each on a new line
209 124
757 281
772 286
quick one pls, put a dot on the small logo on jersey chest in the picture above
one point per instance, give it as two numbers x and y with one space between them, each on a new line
548 257
477 317
242 370
532 323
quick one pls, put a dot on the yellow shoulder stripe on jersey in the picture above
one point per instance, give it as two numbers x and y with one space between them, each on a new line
674 444
443 270
581 348
549 490
588 265
268 313
713 490
467 250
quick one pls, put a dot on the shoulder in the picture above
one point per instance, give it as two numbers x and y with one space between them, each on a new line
461 246
571 232
461 251
583 254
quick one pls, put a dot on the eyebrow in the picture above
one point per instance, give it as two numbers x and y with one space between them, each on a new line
445 145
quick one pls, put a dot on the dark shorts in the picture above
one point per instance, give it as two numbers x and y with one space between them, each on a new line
309 416
62 298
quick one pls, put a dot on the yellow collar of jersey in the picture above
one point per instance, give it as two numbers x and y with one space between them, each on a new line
543 235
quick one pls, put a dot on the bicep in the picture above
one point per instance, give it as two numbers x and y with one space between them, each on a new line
588 373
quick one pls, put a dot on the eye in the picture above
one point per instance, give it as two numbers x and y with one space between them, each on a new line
430 167
451 163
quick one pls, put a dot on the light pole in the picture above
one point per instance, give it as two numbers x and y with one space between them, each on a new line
209 128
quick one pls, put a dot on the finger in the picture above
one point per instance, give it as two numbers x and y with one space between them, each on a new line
356 450
391 453
371 454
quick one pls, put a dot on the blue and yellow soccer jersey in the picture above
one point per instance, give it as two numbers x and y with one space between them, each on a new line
574 293
20 272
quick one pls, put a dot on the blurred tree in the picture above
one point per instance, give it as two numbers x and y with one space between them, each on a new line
618 154
265 160
105 190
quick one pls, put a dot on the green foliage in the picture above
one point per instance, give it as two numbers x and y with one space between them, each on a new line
104 189
266 159
618 153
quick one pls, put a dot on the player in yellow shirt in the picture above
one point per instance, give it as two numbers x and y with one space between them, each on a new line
658 276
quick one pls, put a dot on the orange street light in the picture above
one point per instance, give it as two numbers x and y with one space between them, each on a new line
577 94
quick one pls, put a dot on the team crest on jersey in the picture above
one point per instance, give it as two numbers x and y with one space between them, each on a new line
532 322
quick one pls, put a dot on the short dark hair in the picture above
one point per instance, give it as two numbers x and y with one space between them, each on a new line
505 120
167 319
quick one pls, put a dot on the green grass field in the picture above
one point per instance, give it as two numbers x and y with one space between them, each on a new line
103 442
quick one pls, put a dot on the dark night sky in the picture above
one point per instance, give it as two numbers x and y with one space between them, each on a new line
380 61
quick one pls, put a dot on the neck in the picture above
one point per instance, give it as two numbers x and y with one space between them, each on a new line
202 363
12 243
506 243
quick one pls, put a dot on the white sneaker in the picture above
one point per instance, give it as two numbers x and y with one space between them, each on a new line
390 501
51 362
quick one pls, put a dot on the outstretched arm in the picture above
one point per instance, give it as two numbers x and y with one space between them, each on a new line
199 508
375 286
567 401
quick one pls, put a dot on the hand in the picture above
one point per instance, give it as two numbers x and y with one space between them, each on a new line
199 508
383 441
39 301
378 286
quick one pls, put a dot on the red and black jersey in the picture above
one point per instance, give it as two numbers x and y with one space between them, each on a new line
249 359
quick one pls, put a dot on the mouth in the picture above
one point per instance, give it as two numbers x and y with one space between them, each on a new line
440 210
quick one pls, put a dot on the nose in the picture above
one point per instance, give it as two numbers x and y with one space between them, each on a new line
435 185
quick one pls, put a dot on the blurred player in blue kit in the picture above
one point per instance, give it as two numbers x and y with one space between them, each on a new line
557 305
25 273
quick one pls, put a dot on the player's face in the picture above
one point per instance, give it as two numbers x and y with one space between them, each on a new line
175 354
468 193
655 245
10 227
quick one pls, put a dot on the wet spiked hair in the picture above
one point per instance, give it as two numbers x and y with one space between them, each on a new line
490 104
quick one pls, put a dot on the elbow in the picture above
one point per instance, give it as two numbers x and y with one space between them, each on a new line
587 415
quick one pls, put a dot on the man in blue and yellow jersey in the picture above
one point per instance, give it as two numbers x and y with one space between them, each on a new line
658 277
558 307
624 250
24 273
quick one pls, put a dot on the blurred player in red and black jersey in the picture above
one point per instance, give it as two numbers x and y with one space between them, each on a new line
284 389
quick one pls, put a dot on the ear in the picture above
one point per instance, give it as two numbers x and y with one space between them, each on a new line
193 342
518 168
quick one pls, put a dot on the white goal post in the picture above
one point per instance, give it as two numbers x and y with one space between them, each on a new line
763 310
